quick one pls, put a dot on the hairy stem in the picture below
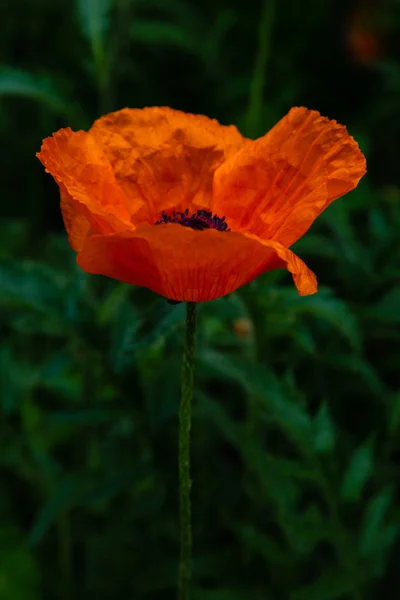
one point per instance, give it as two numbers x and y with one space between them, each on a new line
184 454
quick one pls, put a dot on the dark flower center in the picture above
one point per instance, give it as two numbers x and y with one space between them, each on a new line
200 220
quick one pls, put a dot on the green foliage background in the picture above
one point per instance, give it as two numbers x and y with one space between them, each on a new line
297 402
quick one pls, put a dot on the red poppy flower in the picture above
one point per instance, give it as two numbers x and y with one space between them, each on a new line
190 208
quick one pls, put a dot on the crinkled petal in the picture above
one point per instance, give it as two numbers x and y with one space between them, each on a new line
277 185
138 132
76 223
182 264
164 159
82 170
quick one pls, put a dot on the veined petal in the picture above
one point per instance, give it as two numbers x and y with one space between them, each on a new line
182 264
138 132
76 223
164 159
277 185
83 171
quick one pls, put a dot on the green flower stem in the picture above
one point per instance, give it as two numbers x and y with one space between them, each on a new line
184 453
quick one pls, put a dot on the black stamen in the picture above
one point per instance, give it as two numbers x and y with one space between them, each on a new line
199 221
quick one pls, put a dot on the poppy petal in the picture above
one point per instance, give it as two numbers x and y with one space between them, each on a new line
77 225
82 170
277 185
138 132
186 265
165 157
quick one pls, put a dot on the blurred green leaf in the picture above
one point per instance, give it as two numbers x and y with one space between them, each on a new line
94 21
113 302
136 332
87 489
213 43
330 586
308 529
316 245
15 82
19 574
253 127
334 311
324 431
379 226
287 311
373 533
216 414
305 339
152 32
80 417
268 393
338 218
394 413
358 472
266 547
67 494
8 396
178 9
220 594
13 238
387 309
362 369
32 285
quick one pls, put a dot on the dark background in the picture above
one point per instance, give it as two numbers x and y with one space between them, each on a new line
297 402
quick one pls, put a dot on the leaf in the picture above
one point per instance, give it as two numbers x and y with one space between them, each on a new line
30 285
214 412
373 531
226 594
380 556
316 245
380 227
9 393
330 586
94 21
286 312
34 296
178 10
337 218
80 417
212 46
88 489
13 238
113 303
264 546
67 494
387 309
19 574
324 436
308 529
334 311
135 332
364 371
305 339
267 391
154 576
55 375
357 474
165 410
15 82
394 413
161 33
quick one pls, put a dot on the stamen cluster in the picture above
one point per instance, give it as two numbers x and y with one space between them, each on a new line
200 220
